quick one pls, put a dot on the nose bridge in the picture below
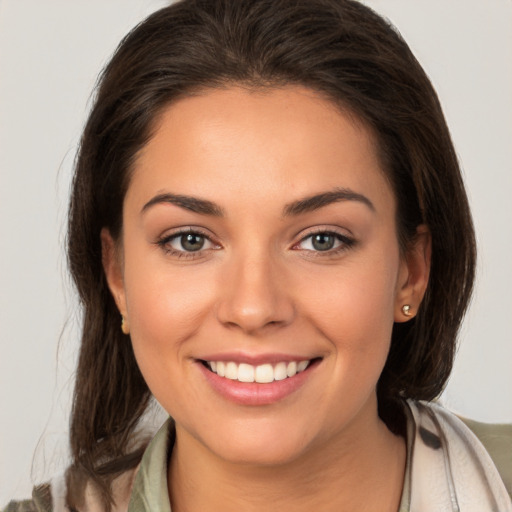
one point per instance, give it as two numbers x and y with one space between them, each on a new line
254 292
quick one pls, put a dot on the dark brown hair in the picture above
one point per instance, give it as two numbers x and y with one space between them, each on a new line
339 48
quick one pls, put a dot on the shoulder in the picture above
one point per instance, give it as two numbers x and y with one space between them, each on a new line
53 497
61 495
497 440
489 444
41 501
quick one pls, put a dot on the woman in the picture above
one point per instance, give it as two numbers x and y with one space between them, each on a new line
267 195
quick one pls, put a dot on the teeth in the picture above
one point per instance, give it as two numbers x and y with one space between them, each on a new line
291 369
302 366
245 373
262 374
232 371
280 371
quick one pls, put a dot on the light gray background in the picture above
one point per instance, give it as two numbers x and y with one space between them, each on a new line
50 54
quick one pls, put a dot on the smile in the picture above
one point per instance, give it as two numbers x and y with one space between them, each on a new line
263 381
262 374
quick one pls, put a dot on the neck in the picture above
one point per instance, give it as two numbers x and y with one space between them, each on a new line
360 469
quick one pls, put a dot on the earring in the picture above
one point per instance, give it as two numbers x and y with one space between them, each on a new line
406 309
124 325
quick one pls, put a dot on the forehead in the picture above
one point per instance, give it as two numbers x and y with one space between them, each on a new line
248 144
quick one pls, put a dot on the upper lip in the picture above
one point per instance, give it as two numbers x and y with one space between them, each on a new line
256 359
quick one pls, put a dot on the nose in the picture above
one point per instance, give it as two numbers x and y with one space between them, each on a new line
254 295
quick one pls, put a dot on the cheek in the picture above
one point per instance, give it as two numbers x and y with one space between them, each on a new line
166 306
353 307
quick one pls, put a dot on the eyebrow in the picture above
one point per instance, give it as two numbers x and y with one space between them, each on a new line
193 204
311 203
304 205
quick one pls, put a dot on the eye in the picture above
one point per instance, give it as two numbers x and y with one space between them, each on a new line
186 243
189 242
325 241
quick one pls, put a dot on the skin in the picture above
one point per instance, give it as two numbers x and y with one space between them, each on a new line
259 287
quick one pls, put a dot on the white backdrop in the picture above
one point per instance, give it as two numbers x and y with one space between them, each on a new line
50 54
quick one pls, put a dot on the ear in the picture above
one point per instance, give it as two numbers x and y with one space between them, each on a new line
413 276
113 268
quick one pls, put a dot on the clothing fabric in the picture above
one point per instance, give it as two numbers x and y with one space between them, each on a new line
448 469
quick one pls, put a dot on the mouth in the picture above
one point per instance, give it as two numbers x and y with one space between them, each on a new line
261 374
257 380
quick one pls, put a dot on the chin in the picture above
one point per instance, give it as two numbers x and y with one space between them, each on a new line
261 452
258 443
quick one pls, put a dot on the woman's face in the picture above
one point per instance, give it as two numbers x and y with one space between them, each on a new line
259 237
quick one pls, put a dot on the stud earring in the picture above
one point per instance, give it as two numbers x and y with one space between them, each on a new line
124 325
406 309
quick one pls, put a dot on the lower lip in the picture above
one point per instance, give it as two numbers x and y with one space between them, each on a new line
254 393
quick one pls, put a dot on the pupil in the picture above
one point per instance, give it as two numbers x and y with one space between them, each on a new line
192 242
323 242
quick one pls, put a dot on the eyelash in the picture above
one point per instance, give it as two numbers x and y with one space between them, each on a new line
346 243
164 243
